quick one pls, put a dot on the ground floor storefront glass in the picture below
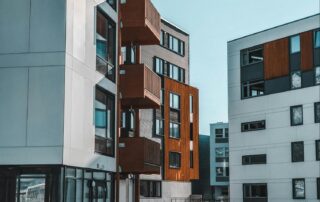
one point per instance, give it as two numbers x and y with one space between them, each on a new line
55 184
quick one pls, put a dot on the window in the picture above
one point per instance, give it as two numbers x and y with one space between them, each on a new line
175 44
174 130
168 69
105 45
226 132
128 123
317 112
296 113
150 189
191 159
317 39
317 75
174 160
129 54
253 192
297 151
222 171
174 101
159 127
191 103
219 132
159 65
318 188
295 80
252 88
253 126
191 131
222 152
252 55
104 122
298 189
174 72
254 159
318 150
295 44
31 187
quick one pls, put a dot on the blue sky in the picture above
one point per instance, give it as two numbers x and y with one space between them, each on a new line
211 23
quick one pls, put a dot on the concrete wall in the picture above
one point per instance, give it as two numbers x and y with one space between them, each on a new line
276 140
32 60
81 78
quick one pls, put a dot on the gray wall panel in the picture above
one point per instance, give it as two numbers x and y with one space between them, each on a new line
13 106
46 106
47 25
277 85
14 25
252 72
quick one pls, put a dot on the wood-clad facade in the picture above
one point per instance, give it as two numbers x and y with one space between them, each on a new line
183 144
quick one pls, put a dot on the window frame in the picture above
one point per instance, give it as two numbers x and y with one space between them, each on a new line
248 84
151 183
294 190
245 52
314 38
316 116
317 146
253 184
178 154
291 115
318 188
98 138
250 129
250 159
290 44
293 159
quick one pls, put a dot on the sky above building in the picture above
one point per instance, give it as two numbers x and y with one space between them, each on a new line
211 24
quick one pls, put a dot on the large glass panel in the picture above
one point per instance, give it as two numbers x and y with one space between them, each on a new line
296 115
296 80
295 44
31 188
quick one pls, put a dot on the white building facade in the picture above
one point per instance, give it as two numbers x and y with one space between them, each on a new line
274 111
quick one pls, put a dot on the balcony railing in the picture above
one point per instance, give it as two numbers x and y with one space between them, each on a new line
139 155
139 87
141 23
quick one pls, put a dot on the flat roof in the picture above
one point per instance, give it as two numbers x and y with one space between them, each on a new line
173 26
274 27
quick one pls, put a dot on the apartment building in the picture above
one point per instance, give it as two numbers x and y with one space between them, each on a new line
173 125
58 87
274 113
219 160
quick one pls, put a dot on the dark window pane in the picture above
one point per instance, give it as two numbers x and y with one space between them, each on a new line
254 159
174 160
297 149
317 112
252 126
252 55
252 89
255 191
318 150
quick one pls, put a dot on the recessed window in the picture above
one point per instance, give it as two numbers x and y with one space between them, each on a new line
317 112
219 132
226 132
129 54
174 130
296 79
317 39
318 150
128 123
174 160
317 75
150 188
158 126
252 192
191 103
104 122
295 44
253 126
191 159
254 159
296 113
297 151
318 188
298 189
252 55
252 88
105 45
174 101
159 65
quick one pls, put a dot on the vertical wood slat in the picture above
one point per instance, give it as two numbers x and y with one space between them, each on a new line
276 58
306 50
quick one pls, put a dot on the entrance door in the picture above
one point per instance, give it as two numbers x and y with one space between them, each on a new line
100 192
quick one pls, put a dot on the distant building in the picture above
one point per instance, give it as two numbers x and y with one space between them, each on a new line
202 186
274 113
219 160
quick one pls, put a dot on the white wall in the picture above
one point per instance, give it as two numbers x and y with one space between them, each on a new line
276 140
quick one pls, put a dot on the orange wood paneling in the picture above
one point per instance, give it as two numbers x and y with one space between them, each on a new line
306 51
182 145
276 59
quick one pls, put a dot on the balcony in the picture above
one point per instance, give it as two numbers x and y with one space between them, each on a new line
139 87
140 23
139 156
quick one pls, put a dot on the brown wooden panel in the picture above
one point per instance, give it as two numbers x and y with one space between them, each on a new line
306 50
276 58
182 145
